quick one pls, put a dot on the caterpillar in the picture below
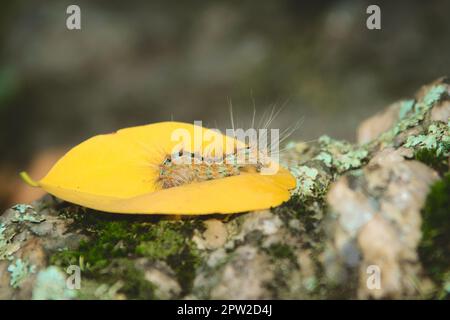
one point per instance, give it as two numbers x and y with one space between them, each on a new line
184 167
187 167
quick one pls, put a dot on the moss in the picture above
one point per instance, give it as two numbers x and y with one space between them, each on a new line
309 217
309 214
431 159
135 286
117 238
162 242
281 251
435 244
168 242
185 264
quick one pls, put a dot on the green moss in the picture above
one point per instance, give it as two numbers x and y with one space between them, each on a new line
281 251
175 247
135 286
435 244
308 213
304 219
162 243
431 159
185 264
115 238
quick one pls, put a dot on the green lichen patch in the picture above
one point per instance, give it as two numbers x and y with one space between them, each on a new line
305 177
26 213
22 208
435 244
432 147
51 285
434 95
436 138
339 155
19 270
413 113
7 246
3 240
405 108
326 158
312 179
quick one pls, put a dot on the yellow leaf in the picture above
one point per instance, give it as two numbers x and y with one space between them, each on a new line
121 173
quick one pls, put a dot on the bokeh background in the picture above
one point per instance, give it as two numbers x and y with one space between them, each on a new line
137 62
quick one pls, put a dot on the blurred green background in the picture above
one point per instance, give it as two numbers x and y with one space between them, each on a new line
137 62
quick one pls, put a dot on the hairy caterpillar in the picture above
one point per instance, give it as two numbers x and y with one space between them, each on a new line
176 170
184 167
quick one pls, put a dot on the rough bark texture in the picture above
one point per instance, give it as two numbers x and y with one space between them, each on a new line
380 205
